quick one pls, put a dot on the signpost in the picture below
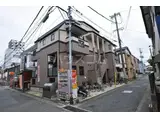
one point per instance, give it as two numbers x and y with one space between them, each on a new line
64 84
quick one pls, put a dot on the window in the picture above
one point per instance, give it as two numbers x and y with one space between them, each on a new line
81 70
52 66
51 80
50 70
52 37
74 67
44 41
33 81
34 73
109 47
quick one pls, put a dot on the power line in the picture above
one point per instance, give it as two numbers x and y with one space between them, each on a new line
27 29
53 23
126 24
90 20
42 21
26 41
135 31
61 13
100 14
128 17
39 20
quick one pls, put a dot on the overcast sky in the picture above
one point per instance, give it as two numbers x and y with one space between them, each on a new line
14 21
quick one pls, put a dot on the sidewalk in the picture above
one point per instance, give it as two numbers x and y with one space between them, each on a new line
97 93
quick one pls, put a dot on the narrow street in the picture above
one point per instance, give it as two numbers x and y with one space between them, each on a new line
123 99
11 101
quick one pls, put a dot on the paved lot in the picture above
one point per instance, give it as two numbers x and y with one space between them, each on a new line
123 99
11 101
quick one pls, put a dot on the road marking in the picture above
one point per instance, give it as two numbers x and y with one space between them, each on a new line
136 86
127 91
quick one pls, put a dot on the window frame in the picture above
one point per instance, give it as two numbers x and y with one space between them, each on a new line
109 47
52 69
52 35
44 41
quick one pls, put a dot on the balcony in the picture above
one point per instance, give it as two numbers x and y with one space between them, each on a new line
79 46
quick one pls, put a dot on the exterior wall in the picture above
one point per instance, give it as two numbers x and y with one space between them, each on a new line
47 41
130 69
111 65
157 38
42 61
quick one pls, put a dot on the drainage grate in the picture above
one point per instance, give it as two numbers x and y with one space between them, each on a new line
74 109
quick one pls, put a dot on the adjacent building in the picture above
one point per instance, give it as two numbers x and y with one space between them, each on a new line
130 62
151 18
12 55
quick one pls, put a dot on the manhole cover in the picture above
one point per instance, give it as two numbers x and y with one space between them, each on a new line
74 109
127 91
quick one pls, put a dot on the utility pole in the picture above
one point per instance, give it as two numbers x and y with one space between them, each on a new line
119 42
141 56
150 51
70 50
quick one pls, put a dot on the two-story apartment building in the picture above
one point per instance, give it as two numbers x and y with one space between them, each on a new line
92 54
128 62
135 62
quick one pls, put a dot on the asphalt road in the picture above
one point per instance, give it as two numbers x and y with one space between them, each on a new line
124 99
11 101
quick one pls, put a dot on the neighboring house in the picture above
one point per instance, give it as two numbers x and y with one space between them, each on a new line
12 55
128 62
92 54
135 64
27 65
151 17
14 68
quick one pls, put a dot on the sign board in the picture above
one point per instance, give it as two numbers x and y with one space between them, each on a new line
74 84
63 84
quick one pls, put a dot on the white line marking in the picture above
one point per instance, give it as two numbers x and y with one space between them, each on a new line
127 91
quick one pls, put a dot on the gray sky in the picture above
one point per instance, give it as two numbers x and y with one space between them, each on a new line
14 21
